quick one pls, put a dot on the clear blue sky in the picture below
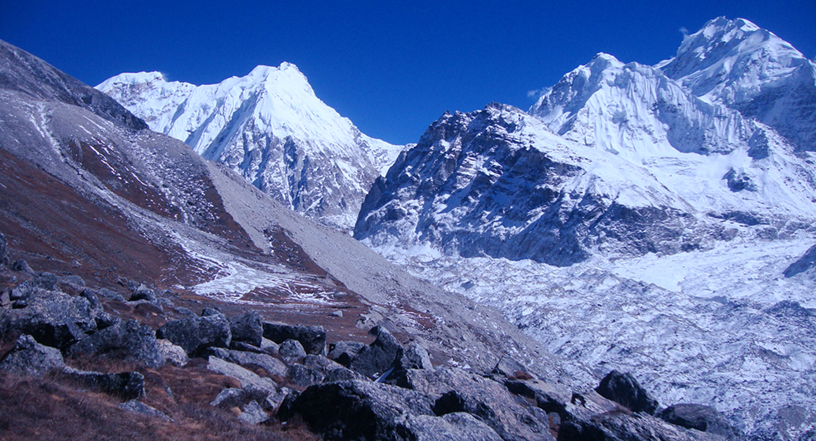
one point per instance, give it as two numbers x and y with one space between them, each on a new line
392 67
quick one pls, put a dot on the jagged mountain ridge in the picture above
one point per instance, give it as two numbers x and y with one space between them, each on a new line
705 306
271 128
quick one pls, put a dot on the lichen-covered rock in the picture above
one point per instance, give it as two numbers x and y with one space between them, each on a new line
249 380
173 354
253 414
125 341
247 328
304 376
53 318
450 427
621 426
291 351
360 410
30 358
344 351
271 365
312 338
378 357
231 397
624 389
195 335
455 390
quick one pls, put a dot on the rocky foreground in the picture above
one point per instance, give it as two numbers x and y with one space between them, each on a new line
145 358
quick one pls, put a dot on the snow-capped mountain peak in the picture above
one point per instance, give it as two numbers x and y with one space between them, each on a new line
271 127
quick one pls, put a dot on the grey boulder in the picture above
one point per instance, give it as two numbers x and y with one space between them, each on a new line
29 358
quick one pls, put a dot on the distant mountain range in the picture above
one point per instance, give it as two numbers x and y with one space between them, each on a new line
639 217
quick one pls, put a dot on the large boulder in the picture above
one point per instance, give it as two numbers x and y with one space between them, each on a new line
360 410
699 417
127 385
345 351
455 390
53 318
624 389
378 357
247 328
271 365
29 358
617 426
451 427
552 398
250 381
291 351
137 406
125 341
197 334
313 338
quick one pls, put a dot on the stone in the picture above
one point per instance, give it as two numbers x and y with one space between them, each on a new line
197 334
231 397
273 401
250 381
71 280
53 318
47 281
304 376
699 417
143 293
344 351
92 298
291 351
173 354
624 389
454 390
320 363
312 338
29 358
247 328
137 406
414 357
128 340
451 427
184 312
108 294
128 385
21 266
271 365
375 359
269 347
358 410
253 414
341 374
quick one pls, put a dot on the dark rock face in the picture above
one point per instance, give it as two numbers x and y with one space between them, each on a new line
481 184
699 417
805 263
248 328
143 293
360 410
31 358
313 338
127 341
378 357
620 427
304 376
53 318
197 334
548 397
624 389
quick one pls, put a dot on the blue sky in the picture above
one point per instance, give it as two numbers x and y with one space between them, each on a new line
392 67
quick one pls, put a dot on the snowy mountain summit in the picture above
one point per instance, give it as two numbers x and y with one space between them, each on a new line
650 219
271 128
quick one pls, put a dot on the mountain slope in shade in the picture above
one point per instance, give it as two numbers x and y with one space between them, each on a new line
271 128
86 190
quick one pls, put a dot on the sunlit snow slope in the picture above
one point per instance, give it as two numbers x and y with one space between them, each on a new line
270 127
